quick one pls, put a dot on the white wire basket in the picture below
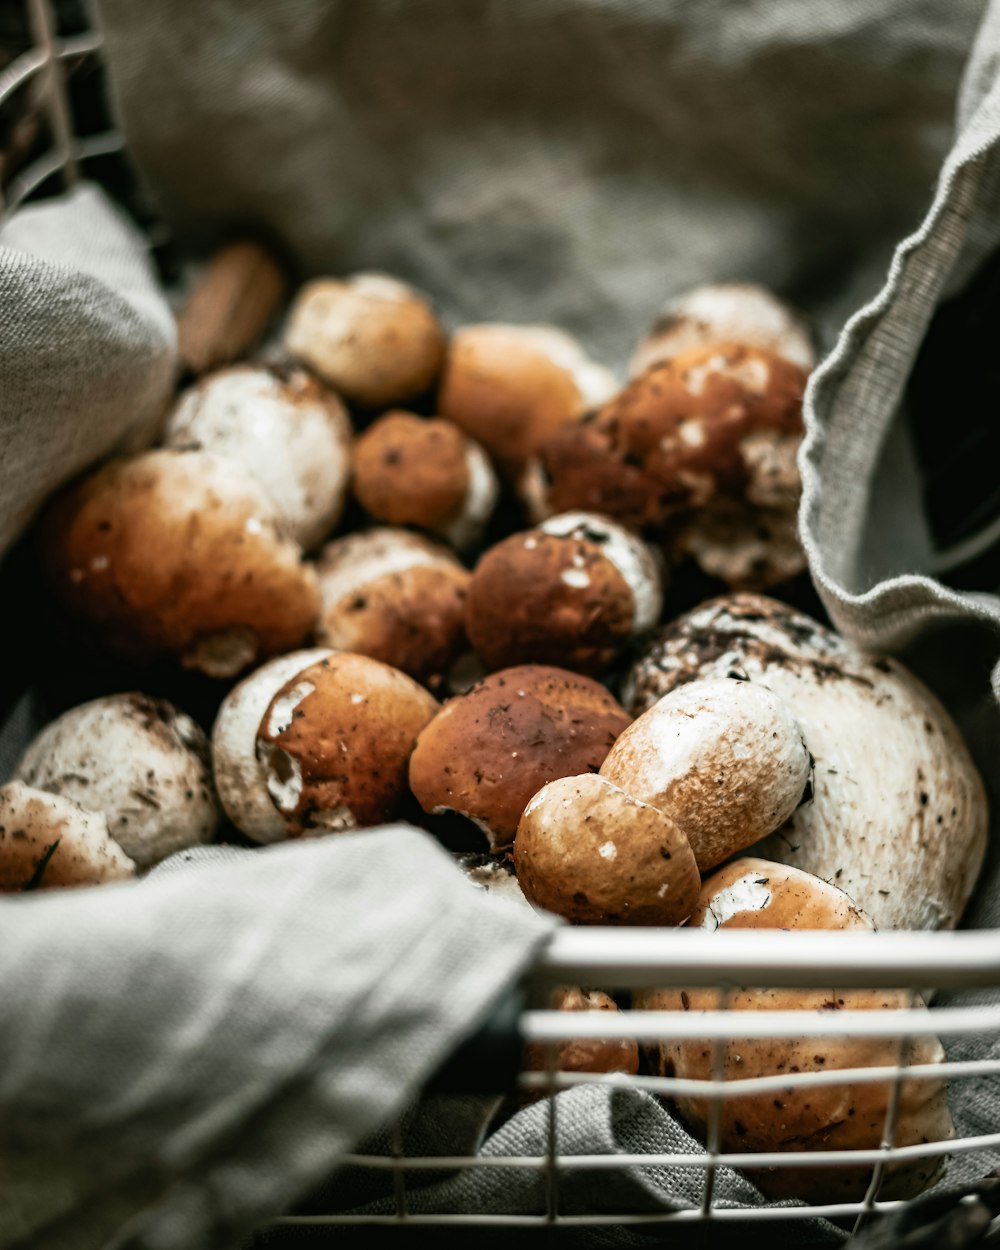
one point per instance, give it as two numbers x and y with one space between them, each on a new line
919 963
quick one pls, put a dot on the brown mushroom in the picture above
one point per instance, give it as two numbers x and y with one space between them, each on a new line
620 1054
488 751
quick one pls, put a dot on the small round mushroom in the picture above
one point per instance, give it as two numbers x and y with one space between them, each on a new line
685 434
488 751
898 815
140 762
331 748
374 339
757 894
409 470
727 312
179 553
724 758
591 853
47 841
619 1054
510 386
572 592
291 435
394 596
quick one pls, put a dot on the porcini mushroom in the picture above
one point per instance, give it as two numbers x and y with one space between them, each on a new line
394 596
591 853
488 751
374 339
140 762
620 1054
724 758
572 592
290 434
898 814
180 553
757 894
47 841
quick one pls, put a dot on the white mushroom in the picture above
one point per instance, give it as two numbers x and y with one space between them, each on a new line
140 762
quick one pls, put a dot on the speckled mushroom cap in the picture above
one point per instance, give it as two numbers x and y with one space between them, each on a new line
747 547
724 758
179 552
374 339
412 470
757 894
572 591
898 813
510 386
140 762
591 853
47 841
488 751
394 596
584 1054
727 312
335 740
291 435
680 436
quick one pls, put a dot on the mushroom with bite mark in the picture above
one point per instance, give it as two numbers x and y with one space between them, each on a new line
394 596
488 751
410 470
47 841
757 894
374 339
329 750
593 854
572 592
140 762
291 435
724 758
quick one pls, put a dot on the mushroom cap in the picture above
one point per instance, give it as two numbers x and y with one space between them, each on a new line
584 1054
140 762
394 596
755 893
727 312
241 775
898 815
291 435
179 552
47 841
593 854
675 438
374 339
724 758
509 386
335 740
749 548
488 751
412 470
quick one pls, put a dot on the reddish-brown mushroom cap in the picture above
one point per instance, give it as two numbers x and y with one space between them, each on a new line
488 751
411 470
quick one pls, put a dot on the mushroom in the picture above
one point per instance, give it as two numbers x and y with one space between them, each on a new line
591 853
620 1054
572 592
180 553
724 758
409 470
897 815
727 312
685 434
291 435
510 386
394 596
374 339
488 751
757 894
329 751
140 762
493 876
47 841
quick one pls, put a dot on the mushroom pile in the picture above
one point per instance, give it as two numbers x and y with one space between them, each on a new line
442 578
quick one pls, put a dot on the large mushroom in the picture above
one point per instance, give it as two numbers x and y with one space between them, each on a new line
897 816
